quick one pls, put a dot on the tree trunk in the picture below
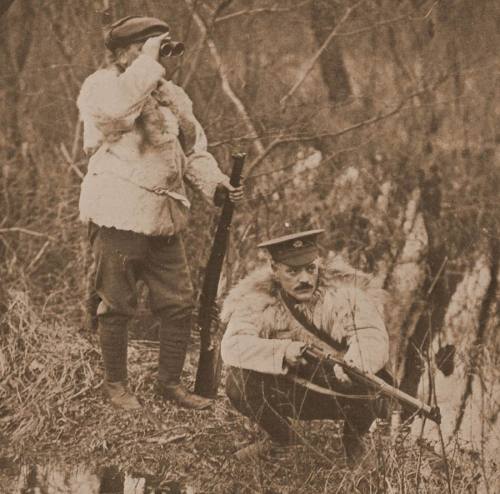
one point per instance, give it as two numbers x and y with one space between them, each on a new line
323 19
14 49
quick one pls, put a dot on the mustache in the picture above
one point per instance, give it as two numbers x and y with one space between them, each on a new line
303 286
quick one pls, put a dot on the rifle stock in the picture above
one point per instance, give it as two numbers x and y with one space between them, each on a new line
377 384
209 364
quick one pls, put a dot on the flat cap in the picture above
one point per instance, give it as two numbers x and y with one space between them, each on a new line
133 29
295 249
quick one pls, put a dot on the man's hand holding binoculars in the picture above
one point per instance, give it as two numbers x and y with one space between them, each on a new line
162 46
152 46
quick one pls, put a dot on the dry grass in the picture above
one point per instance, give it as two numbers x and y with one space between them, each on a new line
45 371
51 408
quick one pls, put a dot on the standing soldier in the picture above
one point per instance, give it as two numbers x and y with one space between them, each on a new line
272 315
145 141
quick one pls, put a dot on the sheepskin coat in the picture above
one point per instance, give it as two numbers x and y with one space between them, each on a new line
132 122
344 305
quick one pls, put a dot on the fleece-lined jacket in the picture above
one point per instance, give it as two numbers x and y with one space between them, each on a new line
132 122
345 306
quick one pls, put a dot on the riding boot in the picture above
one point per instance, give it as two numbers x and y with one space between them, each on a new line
174 337
113 338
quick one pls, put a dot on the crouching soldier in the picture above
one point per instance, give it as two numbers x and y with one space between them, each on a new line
272 315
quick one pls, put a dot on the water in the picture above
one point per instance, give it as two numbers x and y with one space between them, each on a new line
56 479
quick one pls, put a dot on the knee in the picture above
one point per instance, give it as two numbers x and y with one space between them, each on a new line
239 389
114 305
179 312
113 320
233 388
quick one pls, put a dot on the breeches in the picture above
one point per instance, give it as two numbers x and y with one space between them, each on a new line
271 400
124 257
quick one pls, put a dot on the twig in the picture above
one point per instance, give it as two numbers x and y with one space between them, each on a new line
76 140
226 86
19 229
400 18
438 275
370 121
5 6
59 35
419 461
41 252
433 396
261 10
264 152
79 393
309 66
209 27
147 343
483 441
70 161
324 161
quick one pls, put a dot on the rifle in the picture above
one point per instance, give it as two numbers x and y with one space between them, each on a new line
209 364
372 381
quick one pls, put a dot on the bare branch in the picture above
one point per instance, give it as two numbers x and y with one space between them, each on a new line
310 64
301 138
5 6
40 254
240 13
17 229
280 139
226 86
263 154
401 18
324 161
70 160
76 140
203 40
105 11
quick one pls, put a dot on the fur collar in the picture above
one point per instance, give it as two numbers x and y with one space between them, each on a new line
263 289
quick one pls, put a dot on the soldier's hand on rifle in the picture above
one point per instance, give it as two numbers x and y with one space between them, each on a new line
294 354
340 375
236 194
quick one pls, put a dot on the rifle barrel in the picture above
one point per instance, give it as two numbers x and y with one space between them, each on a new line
375 382
372 380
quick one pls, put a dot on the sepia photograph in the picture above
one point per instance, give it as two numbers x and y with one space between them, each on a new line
249 246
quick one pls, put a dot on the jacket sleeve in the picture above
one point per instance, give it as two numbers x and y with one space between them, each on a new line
204 174
112 102
202 170
364 328
243 346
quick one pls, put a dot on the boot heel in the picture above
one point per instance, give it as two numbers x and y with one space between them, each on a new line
118 394
184 398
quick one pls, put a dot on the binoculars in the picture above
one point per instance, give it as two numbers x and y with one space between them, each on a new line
169 48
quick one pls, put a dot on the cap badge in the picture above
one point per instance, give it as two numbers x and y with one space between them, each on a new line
298 244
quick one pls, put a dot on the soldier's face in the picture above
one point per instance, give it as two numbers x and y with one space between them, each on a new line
299 282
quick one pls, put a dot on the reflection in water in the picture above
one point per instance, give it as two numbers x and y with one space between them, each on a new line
83 480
